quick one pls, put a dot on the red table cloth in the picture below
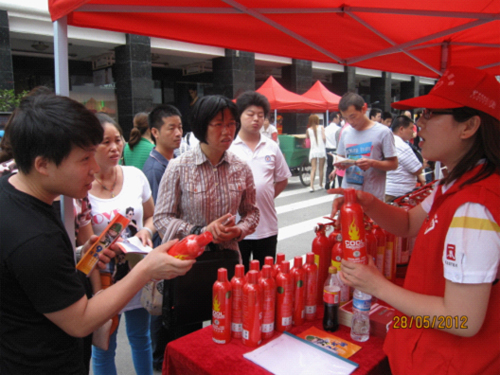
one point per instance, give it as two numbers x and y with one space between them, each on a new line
197 354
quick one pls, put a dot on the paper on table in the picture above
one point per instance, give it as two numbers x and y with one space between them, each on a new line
134 245
289 354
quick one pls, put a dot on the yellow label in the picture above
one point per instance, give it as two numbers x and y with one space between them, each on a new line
316 259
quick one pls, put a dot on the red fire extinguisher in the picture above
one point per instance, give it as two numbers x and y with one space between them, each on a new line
221 308
237 283
268 287
284 298
299 292
353 228
322 255
252 311
311 279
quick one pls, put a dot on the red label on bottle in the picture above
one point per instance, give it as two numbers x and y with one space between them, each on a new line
331 295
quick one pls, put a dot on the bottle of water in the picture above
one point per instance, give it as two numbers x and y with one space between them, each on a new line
360 329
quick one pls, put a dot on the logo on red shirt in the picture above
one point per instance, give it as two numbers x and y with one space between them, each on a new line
450 252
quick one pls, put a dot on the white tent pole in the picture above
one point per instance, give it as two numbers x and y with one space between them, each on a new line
327 119
275 117
62 88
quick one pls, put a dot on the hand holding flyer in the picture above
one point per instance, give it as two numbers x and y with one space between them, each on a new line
339 161
106 239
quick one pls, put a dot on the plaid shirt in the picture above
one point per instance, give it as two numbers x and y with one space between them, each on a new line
194 192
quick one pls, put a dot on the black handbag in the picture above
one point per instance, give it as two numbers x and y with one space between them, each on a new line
188 299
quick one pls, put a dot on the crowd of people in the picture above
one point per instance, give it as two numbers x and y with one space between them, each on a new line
225 183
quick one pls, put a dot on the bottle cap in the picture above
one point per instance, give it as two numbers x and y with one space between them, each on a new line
266 271
255 265
269 260
309 258
239 270
222 274
285 266
253 277
297 262
280 257
350 195
332 269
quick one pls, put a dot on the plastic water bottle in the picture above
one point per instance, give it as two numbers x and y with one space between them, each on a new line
360 328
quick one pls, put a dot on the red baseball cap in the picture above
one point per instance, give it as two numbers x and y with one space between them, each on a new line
460 86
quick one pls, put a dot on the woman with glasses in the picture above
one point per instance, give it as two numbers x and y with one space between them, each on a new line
449 308
206 187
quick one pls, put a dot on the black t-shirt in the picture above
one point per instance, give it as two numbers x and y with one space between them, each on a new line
37 276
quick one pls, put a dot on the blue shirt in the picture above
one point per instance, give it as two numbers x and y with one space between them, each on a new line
154 168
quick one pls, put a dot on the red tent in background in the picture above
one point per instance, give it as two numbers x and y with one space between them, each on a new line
411 37
319 92
286 101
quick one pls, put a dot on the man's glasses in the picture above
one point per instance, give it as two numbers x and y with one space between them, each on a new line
427 113
220 125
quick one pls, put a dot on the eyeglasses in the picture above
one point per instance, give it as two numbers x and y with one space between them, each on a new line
427 113
220 125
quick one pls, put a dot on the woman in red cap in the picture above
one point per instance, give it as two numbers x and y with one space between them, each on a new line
449 308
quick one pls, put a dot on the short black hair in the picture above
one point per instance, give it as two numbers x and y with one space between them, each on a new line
50 125
401 121
249 98
105 118
156 116
351 98
374 112
386 115
334 115
205 109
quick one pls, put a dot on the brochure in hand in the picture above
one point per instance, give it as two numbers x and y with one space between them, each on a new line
106 239
134 245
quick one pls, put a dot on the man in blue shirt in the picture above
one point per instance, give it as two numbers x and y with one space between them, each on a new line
166 128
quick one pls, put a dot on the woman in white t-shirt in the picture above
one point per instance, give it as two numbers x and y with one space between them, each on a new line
316 134
124 190
269 131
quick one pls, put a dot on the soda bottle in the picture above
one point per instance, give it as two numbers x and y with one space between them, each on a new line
337 253
299 292
268 287
191 247
221 308
311 279
322 255
280 257
353 229
284 298
360 328
331 301
252 311
237 283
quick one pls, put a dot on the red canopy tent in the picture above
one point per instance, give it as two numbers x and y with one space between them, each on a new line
319 92
286 101
410 37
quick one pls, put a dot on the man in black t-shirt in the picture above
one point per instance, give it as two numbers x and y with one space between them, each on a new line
44 311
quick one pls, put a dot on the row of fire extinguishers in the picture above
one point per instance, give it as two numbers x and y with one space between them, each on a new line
272 298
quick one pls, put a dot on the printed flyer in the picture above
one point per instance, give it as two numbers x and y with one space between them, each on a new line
330 342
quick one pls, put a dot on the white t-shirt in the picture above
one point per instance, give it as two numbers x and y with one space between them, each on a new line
330 131
268 166
375 143
134 193
476 237
271 129
402 180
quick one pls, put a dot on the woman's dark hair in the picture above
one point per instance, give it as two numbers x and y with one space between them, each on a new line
104 118
485 146
205 109
50 125
249 98
141 125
